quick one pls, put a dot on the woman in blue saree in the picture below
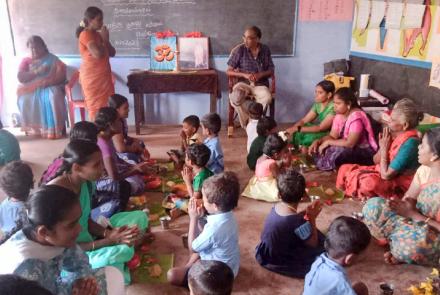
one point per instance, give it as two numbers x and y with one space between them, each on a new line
41 91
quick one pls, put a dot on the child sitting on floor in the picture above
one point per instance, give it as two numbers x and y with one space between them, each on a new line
46 246
255 112
128 148
211 124
210 277
189 135
219 238
194 174
290 243
265 126
276 156
16 180
346 238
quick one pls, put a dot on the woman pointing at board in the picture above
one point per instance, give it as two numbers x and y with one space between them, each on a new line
96 50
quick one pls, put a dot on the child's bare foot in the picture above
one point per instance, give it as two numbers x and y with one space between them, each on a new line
389 258
174 213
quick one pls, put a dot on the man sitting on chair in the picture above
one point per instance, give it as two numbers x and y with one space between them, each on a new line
251 63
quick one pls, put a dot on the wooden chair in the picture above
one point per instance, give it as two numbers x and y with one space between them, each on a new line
231 114
73 103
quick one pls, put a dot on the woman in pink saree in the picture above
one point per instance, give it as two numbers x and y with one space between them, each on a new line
351 139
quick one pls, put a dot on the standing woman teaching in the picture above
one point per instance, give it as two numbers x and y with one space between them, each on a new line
96 50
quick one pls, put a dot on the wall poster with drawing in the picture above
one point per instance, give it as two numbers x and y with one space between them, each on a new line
405 32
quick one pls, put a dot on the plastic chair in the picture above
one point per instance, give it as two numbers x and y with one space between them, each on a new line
231 114
73 103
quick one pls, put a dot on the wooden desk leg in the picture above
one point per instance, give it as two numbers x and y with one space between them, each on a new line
142 107
137 111
213 103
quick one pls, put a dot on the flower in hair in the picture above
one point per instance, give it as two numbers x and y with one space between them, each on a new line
82 24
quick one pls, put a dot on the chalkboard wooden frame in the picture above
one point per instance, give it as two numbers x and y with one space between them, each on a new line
223 21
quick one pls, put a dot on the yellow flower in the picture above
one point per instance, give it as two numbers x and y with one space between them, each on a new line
414 290
427 286
435 272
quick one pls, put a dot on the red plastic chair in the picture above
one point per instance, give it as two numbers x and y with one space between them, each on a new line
73 103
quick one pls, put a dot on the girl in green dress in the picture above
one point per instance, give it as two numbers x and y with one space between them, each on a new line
318 121
105 246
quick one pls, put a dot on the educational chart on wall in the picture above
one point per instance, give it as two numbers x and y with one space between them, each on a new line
405 32
325 10
132 22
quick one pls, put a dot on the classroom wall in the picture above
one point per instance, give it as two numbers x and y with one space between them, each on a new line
316 43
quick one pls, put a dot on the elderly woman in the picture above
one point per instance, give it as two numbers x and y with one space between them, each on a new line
351 139
41 92
396 161
411 226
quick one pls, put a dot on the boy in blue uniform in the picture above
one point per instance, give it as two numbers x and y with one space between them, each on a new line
347 238
211 124
16 180
219 238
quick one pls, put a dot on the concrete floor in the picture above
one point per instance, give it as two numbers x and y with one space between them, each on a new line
252 279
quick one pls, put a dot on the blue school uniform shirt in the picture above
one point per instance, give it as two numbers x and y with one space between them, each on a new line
219 240
10 213
327 277
215 163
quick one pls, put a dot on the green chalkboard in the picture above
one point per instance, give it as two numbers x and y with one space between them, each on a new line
131 22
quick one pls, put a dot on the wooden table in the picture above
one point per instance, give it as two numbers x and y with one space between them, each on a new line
140 83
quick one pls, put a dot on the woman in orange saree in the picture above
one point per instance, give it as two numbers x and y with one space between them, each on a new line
396 160
96 50
41 91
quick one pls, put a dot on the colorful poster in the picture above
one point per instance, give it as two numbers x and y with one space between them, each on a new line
325 10
413 16
410 37
163 53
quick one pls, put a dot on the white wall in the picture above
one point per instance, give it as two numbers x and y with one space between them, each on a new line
316 43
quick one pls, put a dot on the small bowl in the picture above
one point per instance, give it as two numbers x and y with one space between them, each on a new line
386 289
165 222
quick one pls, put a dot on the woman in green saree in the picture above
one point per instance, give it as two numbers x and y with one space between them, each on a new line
105 246
318 121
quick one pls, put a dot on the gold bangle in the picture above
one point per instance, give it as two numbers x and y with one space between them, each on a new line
93 246
105 233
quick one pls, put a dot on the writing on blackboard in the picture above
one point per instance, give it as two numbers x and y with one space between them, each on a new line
146 2
131 11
